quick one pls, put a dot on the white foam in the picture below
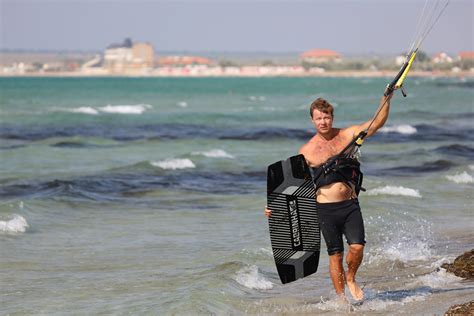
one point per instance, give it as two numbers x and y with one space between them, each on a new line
408 239
378 304
173 164
437 279
250 278
85 110
370 304
461 178
408 242
17 224
260 251
183 104
214 153
408 250
126 109
401 129
266 251
471 167
394 190
334 305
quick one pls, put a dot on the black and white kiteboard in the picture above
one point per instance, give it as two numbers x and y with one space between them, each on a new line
294 226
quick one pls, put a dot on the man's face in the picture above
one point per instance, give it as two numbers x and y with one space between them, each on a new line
322 121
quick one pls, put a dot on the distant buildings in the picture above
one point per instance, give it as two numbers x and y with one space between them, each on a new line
318 56
466 56
128 57
183 61
442 58
138 59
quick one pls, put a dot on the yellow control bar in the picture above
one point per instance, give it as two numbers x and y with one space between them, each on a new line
407 69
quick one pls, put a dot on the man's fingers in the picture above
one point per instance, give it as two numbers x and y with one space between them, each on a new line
267 212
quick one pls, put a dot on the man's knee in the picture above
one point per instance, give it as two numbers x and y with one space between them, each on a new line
356 248
336 257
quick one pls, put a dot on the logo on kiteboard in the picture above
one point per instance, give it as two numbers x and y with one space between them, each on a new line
295 226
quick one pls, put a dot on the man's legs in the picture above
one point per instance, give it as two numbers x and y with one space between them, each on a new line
337 219
353 260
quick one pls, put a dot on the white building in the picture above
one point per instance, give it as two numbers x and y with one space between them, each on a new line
442 58
129 57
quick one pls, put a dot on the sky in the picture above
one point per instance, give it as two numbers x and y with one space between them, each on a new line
349 26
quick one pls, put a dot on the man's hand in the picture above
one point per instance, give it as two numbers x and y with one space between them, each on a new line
389 93
267 212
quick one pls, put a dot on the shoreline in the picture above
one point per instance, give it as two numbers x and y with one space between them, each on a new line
328 74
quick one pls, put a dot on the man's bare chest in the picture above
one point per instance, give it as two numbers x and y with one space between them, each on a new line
322 150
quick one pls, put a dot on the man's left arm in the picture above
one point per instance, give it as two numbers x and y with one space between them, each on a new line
379 119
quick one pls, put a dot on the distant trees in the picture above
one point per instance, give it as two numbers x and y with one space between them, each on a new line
268 63
227 63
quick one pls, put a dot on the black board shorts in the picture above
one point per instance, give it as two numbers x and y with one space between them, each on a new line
341 218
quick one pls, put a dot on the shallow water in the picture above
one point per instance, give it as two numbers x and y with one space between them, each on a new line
145 195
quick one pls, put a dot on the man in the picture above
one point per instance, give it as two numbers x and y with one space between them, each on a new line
337 190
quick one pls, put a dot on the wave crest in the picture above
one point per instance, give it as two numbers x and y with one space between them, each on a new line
17 224
214 153
394 190
126 109
85 110
401 129
437 279
173 164
250 278
461 178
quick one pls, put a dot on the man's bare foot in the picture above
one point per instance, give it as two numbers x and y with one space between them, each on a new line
355 290
343 304
342 297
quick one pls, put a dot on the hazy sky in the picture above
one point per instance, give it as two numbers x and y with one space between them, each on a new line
357 26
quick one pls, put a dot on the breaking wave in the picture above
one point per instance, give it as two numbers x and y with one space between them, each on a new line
214 153
173 164
401 129
252 279
126 109
85 110
437 279
463 177
17 224
393 190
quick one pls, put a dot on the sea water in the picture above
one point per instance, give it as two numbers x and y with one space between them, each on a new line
146 195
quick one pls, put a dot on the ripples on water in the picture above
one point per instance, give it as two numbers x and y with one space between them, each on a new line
114 205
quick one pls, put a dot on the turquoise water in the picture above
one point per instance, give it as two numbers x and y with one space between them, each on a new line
146 195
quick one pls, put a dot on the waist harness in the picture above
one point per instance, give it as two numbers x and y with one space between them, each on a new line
339 169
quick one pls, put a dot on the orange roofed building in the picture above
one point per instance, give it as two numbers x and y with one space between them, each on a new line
468 55
183 61
315 56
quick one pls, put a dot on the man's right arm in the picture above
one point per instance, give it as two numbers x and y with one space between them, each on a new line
379 119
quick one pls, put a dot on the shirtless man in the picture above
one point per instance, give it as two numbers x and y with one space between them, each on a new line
336 192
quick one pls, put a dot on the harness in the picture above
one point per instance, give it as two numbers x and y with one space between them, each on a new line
342 170
343 167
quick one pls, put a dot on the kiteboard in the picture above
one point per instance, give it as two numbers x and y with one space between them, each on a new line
294 225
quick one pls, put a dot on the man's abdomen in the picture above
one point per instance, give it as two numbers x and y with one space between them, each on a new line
335 192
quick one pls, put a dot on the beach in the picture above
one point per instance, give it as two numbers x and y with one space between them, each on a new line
145 195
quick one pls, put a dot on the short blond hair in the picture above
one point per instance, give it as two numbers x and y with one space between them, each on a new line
321 105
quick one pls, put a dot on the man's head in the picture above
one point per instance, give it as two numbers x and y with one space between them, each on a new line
321 105
322 114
